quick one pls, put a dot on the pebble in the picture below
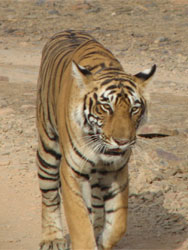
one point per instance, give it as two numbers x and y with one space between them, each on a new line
93 10
10 31
53 12
40 2
161 39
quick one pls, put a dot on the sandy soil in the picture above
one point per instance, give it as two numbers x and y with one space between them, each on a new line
140 33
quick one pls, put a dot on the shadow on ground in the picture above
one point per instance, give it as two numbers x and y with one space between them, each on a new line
150 224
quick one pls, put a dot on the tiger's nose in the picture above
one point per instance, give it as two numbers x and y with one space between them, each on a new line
121 141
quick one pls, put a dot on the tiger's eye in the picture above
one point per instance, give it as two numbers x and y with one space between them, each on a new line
106 106
135 110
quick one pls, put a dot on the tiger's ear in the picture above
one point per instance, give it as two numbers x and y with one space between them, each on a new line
146 75
81 74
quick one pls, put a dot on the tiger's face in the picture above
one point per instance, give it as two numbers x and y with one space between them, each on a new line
112 110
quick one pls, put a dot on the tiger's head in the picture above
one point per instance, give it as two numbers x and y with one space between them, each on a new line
112 109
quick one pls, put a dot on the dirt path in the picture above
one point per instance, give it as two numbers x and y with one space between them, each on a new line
140 33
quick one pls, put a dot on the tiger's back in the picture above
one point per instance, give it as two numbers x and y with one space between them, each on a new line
88 110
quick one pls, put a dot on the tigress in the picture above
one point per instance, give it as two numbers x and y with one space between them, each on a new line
88 111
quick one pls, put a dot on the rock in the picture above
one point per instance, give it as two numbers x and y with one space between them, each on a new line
53 12
93 10
166 155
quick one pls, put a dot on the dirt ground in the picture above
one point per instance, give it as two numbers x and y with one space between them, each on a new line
140 33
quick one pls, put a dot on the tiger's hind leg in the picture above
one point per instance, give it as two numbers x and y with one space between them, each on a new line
48 161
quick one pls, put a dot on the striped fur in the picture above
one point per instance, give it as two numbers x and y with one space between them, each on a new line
88 110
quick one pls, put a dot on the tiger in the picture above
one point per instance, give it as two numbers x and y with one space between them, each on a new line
88 112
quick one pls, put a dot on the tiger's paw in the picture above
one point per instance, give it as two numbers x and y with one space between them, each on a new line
57 244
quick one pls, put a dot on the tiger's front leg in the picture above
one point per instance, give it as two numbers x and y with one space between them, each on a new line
76 212
48 172
116 206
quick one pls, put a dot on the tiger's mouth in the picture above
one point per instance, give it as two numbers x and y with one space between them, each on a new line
115 151
107 149
121 149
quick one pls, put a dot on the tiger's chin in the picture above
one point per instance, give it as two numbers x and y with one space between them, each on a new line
110 159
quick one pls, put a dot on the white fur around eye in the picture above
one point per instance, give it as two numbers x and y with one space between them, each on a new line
92 120
99 123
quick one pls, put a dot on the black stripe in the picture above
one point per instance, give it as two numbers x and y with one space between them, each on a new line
85 98
46 172
47 178
119 95
88 54
44 163
112 87
132 83
97 206
106 81
104 98
95 96
103 188
89 210
50 151
102 65
113 153
112 194
109 196
116 69
51 205
49 190
96 185
76 150
112 92
129 88
115 210
86 176
125 80
93 171
110 211
104 172
96 197
92 68
90 104
54 138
